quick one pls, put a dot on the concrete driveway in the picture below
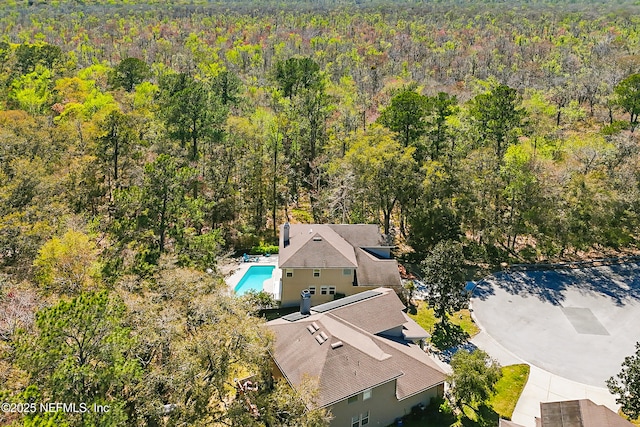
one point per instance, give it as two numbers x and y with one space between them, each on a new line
578 324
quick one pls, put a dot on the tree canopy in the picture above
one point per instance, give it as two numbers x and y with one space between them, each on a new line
82 352
443 276
128 73
142 145
405 115
626 385
628 97
474 377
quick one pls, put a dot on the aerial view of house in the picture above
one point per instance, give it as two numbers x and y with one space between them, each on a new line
333 259
363 351
313 213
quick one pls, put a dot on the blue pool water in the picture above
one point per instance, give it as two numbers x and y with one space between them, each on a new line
253 278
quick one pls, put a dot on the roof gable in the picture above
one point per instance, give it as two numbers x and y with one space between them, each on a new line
351 359
316 246
340 246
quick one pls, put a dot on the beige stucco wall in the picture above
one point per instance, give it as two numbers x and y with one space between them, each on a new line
383 406
303 278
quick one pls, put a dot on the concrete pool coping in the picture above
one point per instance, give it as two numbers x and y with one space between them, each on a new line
272 288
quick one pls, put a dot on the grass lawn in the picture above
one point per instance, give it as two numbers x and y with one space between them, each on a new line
501 405
425 318
509 388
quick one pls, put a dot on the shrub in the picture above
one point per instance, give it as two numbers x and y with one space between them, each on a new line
263 249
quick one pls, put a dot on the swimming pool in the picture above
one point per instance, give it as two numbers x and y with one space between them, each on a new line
253 278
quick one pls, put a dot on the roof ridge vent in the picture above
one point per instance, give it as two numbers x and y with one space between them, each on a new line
336 344
317 238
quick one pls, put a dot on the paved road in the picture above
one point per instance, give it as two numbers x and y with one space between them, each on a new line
577 324
542 386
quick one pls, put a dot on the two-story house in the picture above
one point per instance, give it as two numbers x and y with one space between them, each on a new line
330 259
362 351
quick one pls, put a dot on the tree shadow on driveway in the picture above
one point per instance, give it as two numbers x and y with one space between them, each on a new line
619 282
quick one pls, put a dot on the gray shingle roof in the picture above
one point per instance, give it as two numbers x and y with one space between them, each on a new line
579 413
316 246
378 315
339 246
412 331
363 360
374 271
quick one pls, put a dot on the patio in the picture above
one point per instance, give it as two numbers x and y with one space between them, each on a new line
270 286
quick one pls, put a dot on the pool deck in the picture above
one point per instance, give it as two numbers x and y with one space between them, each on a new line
269 285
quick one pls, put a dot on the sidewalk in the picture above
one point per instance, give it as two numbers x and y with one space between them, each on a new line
546 387
542 386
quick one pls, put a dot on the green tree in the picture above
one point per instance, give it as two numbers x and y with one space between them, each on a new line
129 73
474 377
444 277
384 170
227 86
522 194
406 116
291 408
191 111
81 353
627 385
442 105
295 74
67 265
158 212
304 104
163 195
628 98
29 56
498 117
5 54
198 343
431 223
32 92
116 141
434 217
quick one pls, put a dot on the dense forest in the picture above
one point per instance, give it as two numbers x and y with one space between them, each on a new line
142 142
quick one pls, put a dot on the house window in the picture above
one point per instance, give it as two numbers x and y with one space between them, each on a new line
352 399
312 290
332 290
316 272
289 272
366 394
360 420
364 419
346 272
323 290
